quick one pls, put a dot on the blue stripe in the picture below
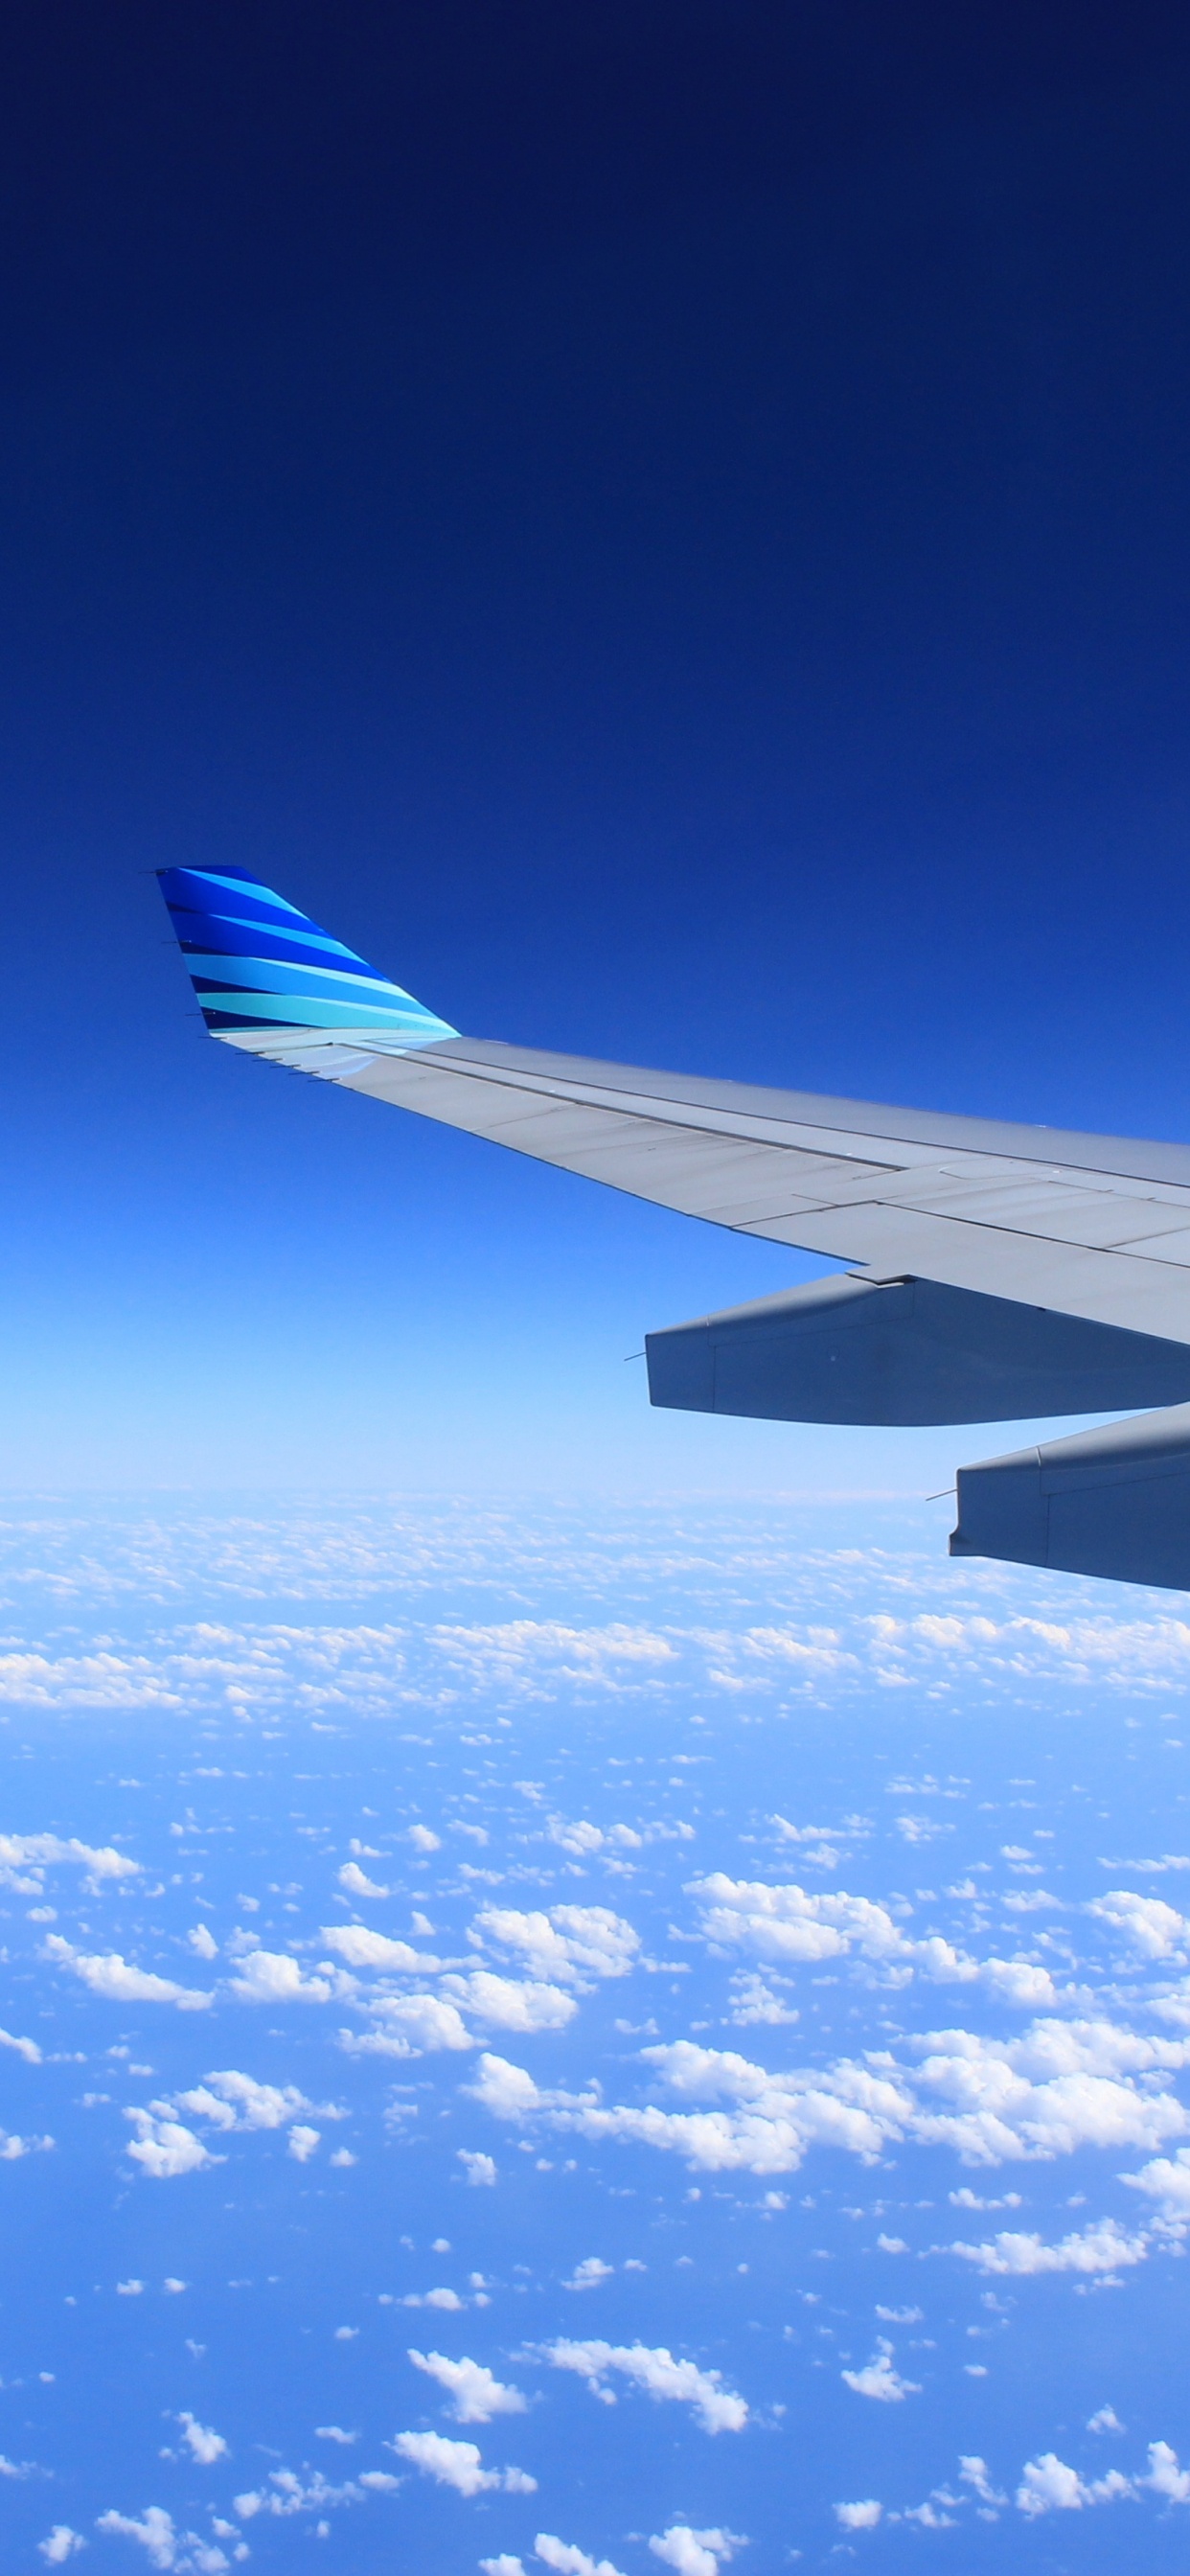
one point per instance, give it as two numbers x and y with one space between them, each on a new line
208 939
188 882
282 942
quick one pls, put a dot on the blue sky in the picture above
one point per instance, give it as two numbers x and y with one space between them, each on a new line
668 531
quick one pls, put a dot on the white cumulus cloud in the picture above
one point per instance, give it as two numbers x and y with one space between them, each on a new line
204 2444
113 1977
1060 2086
567 2559
570 1943
1049 2486
1150 1926
1165 2475
880 2379
479 2169
21 1854
407 2026
509 2003
163 2545
229 2099
1166 2179
357 1881
719 2409
1099 2248
475 2394
459 2465
588 2274
695 2553
363 1948
165 2148
26 2048
274 1977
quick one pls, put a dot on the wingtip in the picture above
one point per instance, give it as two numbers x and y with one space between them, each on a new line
259 964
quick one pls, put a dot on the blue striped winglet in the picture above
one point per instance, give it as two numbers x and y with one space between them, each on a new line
256 962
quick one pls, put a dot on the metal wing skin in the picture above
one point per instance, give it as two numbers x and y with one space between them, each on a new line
1019 1270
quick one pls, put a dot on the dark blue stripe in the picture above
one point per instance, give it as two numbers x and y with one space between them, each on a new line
211 939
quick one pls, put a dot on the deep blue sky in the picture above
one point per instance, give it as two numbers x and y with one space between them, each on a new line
666 526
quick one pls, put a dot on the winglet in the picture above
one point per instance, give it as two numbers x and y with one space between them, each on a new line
262 968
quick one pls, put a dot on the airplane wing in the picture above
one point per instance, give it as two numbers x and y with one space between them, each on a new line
996 1272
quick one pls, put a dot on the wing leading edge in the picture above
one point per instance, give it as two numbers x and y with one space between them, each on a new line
1026 1263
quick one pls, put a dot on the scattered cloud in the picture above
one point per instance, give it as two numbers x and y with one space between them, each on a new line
973 2473
569 1944
1101 2248
588 2274
115 1978
286 2494
475 2395
1049 2486
203 2444
508 2003
695 2553
229 2099
1166 2179
164 2546
459 2465
26 2048
718 2408
164 2148
357 1882
1166 2476
479 2168
879 2378
755 2002
364 1948
275 1977
1154 1929
567 2560
407 2026
24 1858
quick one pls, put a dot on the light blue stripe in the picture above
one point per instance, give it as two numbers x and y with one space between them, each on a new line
281 975
299 1012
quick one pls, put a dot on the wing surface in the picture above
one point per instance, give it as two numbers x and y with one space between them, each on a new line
1089 1226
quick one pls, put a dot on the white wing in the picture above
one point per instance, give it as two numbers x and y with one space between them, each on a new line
1034 1271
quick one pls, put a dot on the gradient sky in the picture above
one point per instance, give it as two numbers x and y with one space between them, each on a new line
667 528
